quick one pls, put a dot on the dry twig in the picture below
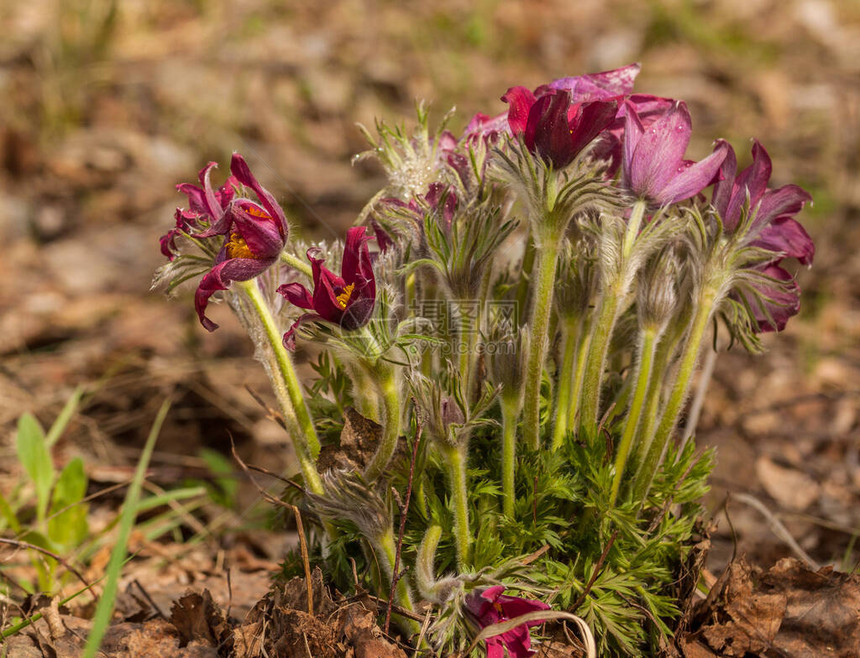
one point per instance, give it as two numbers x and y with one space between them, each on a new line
395 576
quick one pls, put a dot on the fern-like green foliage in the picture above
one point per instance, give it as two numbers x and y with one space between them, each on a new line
613 564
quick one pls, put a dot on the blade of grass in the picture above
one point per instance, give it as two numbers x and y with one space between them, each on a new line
170 496
104 610
65 416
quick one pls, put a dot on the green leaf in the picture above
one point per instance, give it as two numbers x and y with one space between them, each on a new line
65 416
105 607
36 459
68 524
8 515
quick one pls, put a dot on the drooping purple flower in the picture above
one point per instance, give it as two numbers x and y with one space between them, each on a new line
648 109
489 606
773 228
208 205
553 127
346 300
606 85
206 214
653 165
255 234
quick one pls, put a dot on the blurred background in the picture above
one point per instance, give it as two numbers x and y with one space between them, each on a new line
107 104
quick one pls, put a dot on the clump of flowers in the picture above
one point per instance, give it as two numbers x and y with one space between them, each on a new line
522 310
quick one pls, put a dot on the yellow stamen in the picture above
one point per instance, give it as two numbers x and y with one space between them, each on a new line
238 248
254 211
343 297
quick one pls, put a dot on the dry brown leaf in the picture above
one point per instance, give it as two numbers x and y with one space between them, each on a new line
358 442
198 617
787 611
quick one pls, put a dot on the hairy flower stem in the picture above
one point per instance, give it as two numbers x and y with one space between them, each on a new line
527 268
647 346
362 386
510 413
547 264
573 407
287 389
686 369
425 573
455 460
389 390
610 304
595 362
297 263
465 344
651 413
570 331
386 553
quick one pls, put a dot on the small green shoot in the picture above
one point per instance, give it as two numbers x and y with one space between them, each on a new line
104 610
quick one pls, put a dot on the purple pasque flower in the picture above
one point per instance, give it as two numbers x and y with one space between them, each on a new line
552 126
773 209
606 85
772 228
346 300
208 205
489 606
206 214
255 233
652 161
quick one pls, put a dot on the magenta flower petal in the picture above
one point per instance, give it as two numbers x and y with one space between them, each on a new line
254 233
591 119
485 125
553 128
383 239
243 174
328 288
521 101
597 86
755 177
660 152
787 237
724 188
782 202
297 295
633 131
289 338
548 132
219 278
648 108
208 204
692 177
781 303
261 235
345 300
489 606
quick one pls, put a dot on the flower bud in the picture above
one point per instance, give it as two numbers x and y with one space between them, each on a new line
506 361
576 280
657 291
348 497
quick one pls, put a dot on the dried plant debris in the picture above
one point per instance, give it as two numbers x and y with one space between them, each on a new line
198 617
280 626
358 441
788 610
124 639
